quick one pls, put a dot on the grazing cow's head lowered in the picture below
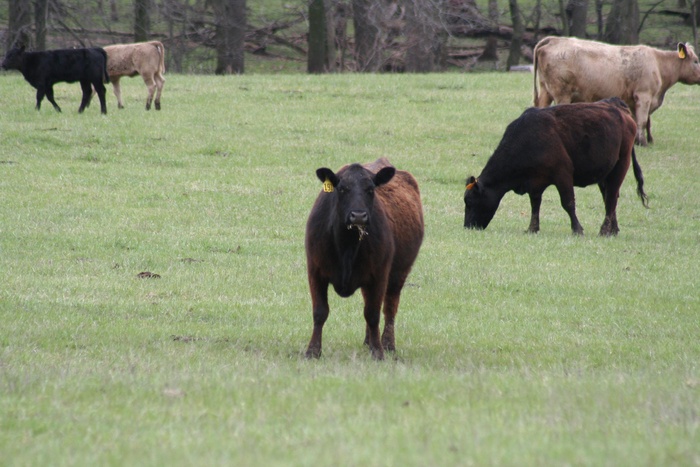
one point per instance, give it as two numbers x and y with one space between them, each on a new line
355 193
479 205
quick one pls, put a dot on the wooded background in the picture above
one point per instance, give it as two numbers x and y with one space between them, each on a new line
219 36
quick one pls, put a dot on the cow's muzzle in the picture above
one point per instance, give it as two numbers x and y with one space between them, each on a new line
358 220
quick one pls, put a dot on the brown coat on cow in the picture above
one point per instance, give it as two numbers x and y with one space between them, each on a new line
364 231
569 70
143 58
565 145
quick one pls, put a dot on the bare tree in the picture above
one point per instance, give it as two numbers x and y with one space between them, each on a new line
19 27
425 35
491 49
41 14
622 25
576 13
142 20
517 39
321 55
230 16
366 35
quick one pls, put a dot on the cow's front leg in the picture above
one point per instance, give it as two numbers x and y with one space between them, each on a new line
373 302
319 301
535 203
642 106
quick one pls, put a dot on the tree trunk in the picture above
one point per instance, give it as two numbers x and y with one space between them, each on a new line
577 12
41 13
491 49
599 19
623 23
517 40
113 13
230 36
366 37
318 56
564 19
19 24
142 20
426 43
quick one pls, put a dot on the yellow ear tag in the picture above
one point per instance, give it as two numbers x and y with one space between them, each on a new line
328 186
681 53
470 186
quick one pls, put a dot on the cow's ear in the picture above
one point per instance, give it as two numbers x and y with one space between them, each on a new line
682 51
471 183
330 180
384 175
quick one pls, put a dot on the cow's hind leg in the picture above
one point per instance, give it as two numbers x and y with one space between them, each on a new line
319 301
391 308
116 87
535 203
610 189
101 91
49 95
160 82
151 85
87 95
568 202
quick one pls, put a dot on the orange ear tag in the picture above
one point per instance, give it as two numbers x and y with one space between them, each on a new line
328 186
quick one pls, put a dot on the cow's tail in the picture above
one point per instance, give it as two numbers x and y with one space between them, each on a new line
104 70
161 52
535 96
640 180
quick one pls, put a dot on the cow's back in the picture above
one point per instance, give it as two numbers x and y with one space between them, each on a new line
594 136
127 59
575 70
400 200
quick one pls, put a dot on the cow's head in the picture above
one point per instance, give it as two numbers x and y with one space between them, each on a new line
480 204
13 58
353 189
689 72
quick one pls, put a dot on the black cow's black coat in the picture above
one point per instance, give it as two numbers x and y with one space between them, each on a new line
363 232
566 145
44 69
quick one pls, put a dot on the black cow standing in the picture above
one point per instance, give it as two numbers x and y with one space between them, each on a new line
44 69
364 231
566 145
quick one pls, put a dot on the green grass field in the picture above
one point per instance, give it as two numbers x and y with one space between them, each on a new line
513 349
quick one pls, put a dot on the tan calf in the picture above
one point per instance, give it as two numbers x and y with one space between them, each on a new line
569 70
143 58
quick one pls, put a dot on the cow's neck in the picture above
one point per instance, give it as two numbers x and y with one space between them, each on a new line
668 69
347 243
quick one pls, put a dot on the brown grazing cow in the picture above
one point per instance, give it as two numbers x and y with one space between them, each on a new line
364 231
565 145
143 58
571 70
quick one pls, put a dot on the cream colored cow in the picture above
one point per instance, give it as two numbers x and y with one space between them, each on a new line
571 70
142 58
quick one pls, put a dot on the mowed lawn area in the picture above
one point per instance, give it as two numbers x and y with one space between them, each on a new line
512 348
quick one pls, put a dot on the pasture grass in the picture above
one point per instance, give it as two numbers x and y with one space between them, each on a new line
513 349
